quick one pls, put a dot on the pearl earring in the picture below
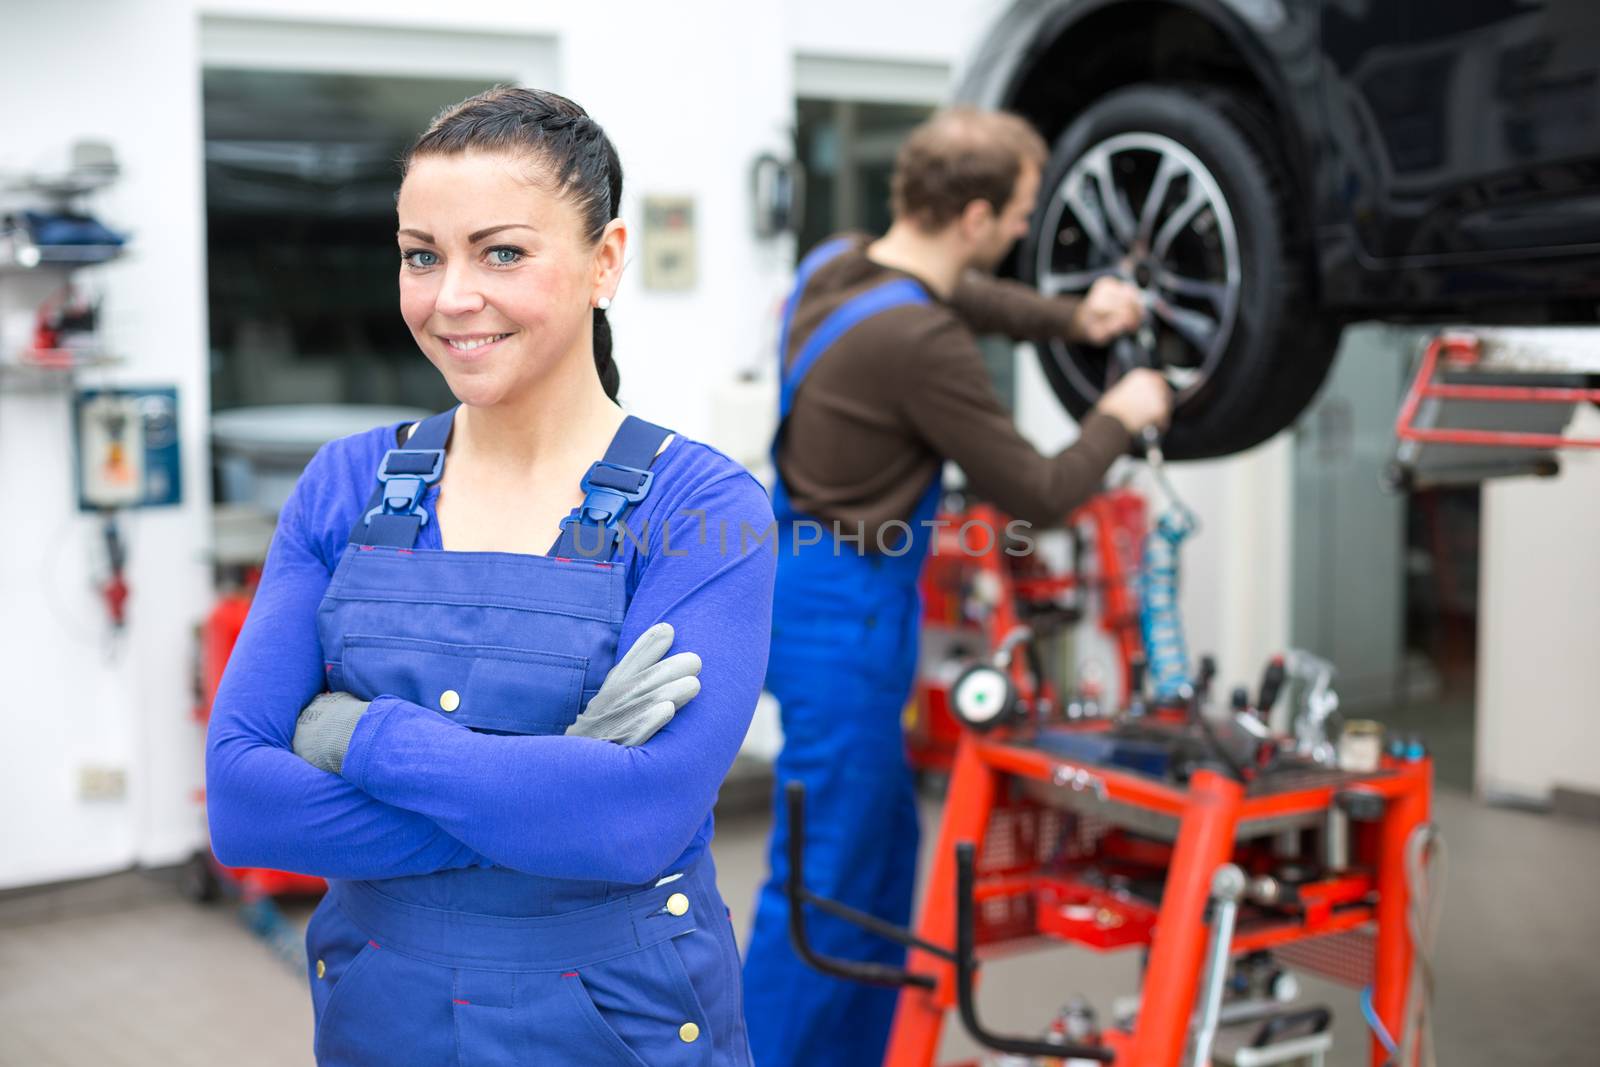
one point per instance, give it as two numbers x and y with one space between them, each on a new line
604 303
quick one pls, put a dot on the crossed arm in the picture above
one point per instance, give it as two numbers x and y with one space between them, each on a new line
267 806
419 794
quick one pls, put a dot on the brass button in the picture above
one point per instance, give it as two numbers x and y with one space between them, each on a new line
449 700
678 904
688 1032
322 968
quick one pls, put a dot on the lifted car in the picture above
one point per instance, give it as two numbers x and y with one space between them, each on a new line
1268 170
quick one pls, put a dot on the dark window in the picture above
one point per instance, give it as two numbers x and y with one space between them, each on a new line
301 172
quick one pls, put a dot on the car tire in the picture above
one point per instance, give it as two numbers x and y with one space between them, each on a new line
1246 357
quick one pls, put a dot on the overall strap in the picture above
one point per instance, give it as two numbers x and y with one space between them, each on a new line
845 318
394 514
841 321
611 486
814 261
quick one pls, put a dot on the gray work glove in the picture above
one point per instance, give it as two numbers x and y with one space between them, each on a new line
642 692
323 731
640 695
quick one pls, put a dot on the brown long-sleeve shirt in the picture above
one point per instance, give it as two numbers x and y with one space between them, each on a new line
887 404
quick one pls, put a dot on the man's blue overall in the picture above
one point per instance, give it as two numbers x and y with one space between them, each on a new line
844 655
487 966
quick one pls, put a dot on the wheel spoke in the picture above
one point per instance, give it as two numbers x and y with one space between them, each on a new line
1121 218
1181 378
1198 329
1108 218
1169 168
1180 217
1216 293
1075 281
1089 217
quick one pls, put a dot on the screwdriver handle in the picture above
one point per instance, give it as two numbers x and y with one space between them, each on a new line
1271 683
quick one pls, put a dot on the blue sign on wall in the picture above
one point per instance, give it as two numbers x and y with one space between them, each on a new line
128 448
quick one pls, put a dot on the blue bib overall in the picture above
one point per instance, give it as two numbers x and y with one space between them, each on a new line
844 655
487 966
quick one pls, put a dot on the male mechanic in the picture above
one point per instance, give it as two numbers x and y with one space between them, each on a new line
883 381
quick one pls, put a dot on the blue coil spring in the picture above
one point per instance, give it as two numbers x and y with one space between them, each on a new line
1166 651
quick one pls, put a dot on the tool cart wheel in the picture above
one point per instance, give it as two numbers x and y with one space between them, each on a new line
1179 190
197 881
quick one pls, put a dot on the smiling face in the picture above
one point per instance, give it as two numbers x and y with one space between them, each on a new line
497 277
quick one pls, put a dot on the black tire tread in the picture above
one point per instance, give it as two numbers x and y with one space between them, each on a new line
1282 385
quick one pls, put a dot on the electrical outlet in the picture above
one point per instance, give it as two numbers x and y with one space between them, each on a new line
102 783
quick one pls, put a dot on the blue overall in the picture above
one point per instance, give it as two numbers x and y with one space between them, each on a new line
843 658
487 966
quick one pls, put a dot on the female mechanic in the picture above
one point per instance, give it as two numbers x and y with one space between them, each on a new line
427 706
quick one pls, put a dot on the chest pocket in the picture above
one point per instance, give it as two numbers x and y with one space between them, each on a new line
505 690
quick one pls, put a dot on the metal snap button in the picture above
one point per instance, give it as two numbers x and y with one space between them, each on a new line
688 1033
678 904
449 700
322 968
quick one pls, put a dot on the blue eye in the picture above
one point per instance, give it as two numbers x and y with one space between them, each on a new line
419 259
504 255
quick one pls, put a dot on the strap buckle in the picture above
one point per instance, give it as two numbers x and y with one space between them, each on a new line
609 489
406 474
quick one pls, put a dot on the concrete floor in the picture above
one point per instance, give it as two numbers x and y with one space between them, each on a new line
157 982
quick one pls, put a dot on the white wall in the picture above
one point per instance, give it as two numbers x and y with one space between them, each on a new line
689 94
938 31
73 696
1539 630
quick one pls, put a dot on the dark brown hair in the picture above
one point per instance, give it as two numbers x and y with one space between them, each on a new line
569 148
957 156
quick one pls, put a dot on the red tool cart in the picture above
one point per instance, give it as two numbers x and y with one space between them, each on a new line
1106 857
204 877
1226 854
1314 868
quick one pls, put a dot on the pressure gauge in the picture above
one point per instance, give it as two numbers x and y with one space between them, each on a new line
983 697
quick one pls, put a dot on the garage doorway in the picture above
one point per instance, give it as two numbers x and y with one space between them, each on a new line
304 125
847 150
1384 583
300 256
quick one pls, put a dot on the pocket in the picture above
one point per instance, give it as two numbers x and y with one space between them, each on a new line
708 960
509 1019
333 946
340 970
506 690
647 1004
582 1002
372 1004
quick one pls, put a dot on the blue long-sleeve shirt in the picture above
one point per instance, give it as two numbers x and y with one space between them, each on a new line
420 793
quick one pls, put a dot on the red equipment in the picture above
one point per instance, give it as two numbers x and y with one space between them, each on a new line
218 634
1039 822
1533 353
1050 830
987 594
